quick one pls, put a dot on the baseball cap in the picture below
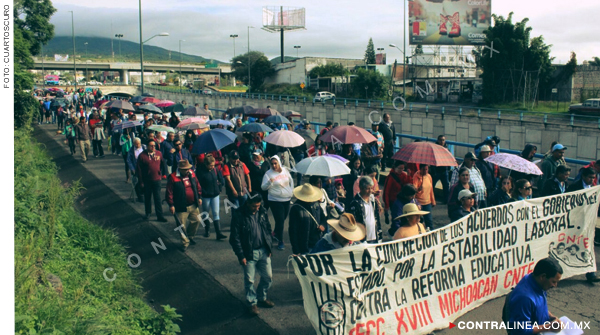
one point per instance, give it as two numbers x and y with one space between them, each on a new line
234 155
470 155
257 152
465 194
558 147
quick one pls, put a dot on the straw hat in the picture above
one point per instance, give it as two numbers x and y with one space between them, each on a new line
485 148
308 193
411 209
184 164
348 228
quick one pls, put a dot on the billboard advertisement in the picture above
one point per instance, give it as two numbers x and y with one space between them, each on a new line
380 59
448 22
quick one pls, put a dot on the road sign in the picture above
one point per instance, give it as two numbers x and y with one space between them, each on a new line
302 86
555 90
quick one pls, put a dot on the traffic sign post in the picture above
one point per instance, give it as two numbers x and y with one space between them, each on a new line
302 86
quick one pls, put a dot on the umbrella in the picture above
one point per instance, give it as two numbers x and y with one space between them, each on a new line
150 108
276 119
192 120
285 138
254 128
348 134
157 127
322 166
137 99
263 112
308 135
58 102
195 111
213 140
344 160
514 162
425 153
174 108
121 104
292 114
225 123
99 103
193 126
151 100
241 110
147 94
164 103
127 124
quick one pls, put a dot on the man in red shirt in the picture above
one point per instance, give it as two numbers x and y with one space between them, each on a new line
150 167
184 196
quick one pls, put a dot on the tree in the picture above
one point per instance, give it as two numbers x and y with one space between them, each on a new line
260 68
595 62
369 84
328 70
32 28
520 65
370 53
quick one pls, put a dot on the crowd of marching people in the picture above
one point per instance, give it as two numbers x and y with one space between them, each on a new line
321 212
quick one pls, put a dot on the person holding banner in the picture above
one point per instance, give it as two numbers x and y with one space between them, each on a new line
527 303
410 225
522 190
558 184
346 232
365 208
464 183
467 201
406 196
251 242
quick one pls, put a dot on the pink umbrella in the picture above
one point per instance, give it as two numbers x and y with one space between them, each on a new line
425 153
514 162
191 120
285 138
152 100
348 134
164 103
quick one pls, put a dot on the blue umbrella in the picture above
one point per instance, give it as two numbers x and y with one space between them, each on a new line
213 140
225 123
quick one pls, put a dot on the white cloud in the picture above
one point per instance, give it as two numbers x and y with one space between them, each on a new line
334 28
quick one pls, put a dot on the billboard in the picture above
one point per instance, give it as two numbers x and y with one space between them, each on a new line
380 59
61 58
448 22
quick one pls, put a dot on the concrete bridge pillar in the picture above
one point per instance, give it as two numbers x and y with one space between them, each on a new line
124 76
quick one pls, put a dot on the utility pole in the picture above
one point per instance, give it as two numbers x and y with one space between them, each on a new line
73 37
180 60
234 37
86 65
249 57
112 50
141 49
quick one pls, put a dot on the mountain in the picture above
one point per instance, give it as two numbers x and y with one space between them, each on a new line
98 48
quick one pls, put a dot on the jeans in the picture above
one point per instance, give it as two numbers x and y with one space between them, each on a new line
280 212
262 262
238 201
211 204
152 189
427 218
53 117
441 173
60 119
71 141
97 146
115 146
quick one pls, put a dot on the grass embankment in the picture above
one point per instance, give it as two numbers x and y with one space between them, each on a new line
60 259
540 106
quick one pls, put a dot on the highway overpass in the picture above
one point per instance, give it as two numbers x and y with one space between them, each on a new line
125 68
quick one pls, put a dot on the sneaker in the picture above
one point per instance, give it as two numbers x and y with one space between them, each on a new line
266 303
161 219
280 246
253 310
221 236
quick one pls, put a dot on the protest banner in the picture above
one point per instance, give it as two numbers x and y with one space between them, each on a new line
417 285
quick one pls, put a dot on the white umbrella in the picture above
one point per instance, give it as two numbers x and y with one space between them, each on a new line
514 162
285 138
322 166
225 123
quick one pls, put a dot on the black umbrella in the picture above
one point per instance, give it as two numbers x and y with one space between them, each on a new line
146 94
276 119
150 108
121 104
241 110
195 111
58 102
175 108
254 128
263 112
137 100
308 135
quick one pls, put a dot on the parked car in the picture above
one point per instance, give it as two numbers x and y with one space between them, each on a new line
323 96
207 91
589 107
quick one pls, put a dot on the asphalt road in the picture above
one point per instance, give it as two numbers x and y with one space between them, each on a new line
206 285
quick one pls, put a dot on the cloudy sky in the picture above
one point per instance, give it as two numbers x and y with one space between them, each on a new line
334 28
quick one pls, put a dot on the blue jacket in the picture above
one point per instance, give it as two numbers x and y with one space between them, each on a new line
528 303
131 159
165 148
181 155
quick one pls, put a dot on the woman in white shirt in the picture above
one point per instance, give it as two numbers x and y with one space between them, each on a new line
280 187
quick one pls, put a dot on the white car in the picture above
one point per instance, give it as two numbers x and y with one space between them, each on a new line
323 96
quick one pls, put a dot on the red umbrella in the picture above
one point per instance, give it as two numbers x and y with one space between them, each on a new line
99 103
348 134
151 100
425 153
164 103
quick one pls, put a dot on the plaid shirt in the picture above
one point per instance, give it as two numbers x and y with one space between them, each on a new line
475 179
378 136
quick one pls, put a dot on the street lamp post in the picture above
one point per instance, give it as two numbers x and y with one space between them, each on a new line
87 74
297 47
403 71
249 62
180 60
119 36
234 37
142 45
73 37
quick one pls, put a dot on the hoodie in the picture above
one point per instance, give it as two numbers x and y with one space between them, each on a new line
280 185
